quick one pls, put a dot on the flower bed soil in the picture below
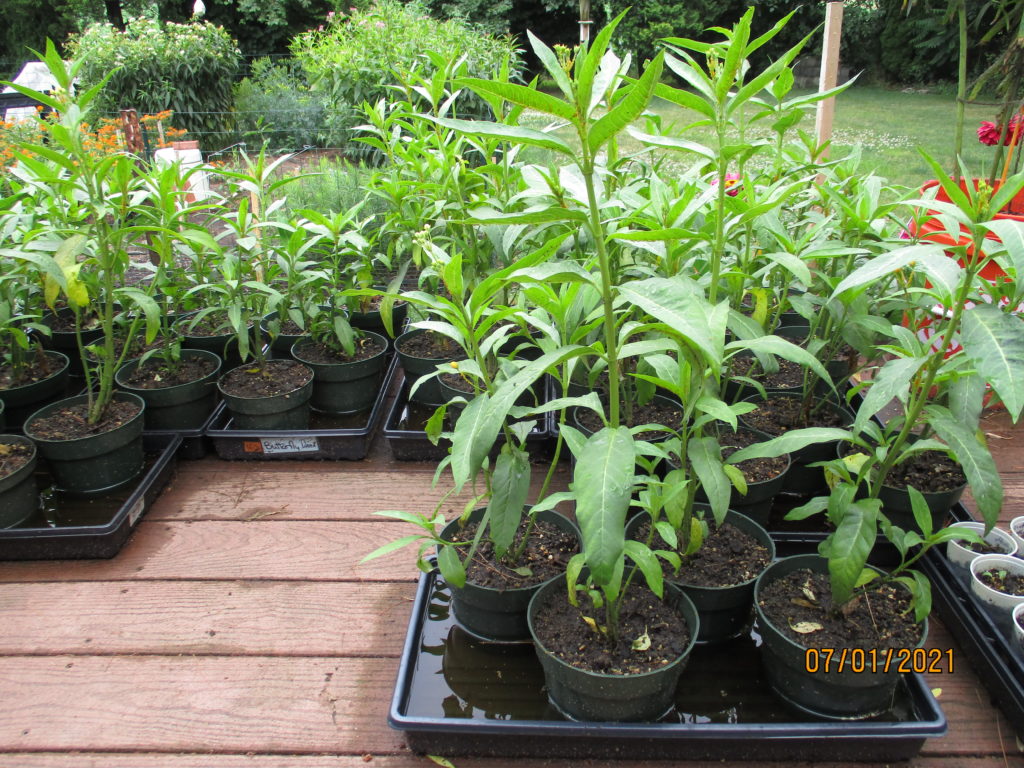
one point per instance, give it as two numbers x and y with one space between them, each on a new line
155 373
563 631
277 377
800 605
546 555
71 422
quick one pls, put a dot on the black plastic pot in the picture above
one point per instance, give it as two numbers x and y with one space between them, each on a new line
584 695
725 611
224 345
371 321
838 371
897 507
801 479
497 615
66 342
18 494
429 392
830 691
21 402
288 410
185 406
98 463
280 345
347 387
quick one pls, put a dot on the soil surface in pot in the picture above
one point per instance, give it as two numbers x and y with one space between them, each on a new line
727 556
64 321
457 382
431 346
369 304
779 415
800 605
277 377
547 554
654 412
929 472
984 548
290 328
157 374
1003 581
14 456
651 634
213 324
39 368
72 422
754 470
789 375
137 348
317 352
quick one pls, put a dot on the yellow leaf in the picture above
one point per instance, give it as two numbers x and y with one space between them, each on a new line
642 643
806 627
936 692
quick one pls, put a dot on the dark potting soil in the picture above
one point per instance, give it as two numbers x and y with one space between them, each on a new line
547 554
213 324
984 548
1003 581
64 321
276 377
14 456
929 472
779 415
653 412
790 375
651 634
289 328
138 347
317 352
800 605
155 373
727 556
39 368
431 346
754 470
72 422
456 381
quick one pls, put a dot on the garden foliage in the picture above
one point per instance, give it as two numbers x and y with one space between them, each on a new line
187 68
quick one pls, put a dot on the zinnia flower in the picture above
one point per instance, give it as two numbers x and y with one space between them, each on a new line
732 184
989 133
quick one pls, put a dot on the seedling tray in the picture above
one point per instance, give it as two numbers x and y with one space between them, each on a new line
194 442
403 429
330 437
992 655
69 528
459 696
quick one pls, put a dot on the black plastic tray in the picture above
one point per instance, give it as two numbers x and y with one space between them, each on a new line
329 437
414 445
107 520
194 442
992 655
458 696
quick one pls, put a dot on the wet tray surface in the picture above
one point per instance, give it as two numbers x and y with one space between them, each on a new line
459 696
68 527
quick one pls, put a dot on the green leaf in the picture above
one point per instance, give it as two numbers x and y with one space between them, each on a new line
627 110
922 515
523 96
789 443
392 546
1011 234
975 460
511 133
648 564
670 142
551 64
705 455
892 381
451 567
884 265
850 546
451 274
603 484
994 340
509 486
777 345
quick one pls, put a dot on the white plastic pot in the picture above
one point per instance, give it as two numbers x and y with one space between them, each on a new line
999 605
1018 524
960 557
1018 631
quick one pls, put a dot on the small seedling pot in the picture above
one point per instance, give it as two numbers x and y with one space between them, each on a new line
999 605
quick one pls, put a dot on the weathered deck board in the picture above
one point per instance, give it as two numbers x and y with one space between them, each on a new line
255 617
260 549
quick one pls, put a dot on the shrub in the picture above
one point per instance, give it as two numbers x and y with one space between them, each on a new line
359 56
275 108
187 68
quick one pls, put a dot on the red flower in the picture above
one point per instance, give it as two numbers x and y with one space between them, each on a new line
989 133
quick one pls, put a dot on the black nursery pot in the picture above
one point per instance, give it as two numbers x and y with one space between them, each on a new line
827 691
95 464
498 615
288 410
181 407
583 695
372 321
19 496
280 345
345 387
21 402
429 392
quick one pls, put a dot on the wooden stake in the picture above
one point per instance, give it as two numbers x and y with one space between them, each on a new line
829 71
132 131
585 21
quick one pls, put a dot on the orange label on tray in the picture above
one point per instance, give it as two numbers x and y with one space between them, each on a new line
252 446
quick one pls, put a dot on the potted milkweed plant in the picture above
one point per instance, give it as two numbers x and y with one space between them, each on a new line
93 441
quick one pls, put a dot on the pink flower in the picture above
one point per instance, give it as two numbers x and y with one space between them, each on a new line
380 25
732 184
989 133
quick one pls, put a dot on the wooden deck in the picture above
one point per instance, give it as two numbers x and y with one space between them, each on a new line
236 629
